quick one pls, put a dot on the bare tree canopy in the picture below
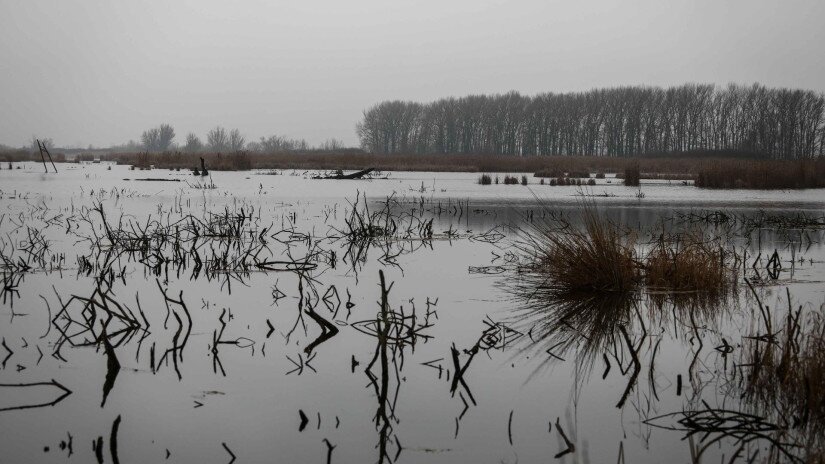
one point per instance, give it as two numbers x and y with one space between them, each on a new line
158 139
278 144
624 121
48 142
217 139
236 140
193 143
331 145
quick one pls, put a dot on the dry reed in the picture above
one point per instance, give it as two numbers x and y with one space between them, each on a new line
600 258
687 263
732 174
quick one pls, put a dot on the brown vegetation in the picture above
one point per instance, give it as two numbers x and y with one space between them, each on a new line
355 159
755 174
687 263
600 258
786 375
632 175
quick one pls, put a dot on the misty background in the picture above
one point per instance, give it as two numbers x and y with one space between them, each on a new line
101 72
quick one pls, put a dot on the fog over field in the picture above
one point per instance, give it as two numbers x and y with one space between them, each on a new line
99 72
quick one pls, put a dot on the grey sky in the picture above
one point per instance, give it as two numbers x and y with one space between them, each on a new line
101 72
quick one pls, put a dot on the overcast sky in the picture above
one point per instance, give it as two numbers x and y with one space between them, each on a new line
100 72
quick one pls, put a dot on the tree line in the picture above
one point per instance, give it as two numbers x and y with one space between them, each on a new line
162 138
624 121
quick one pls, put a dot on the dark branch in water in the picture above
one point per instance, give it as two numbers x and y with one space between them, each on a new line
113 441
53 383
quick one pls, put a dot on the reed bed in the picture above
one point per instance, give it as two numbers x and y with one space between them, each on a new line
632 175
555 166
731 174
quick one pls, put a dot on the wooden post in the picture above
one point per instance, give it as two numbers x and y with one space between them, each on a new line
50 158
42 147
43 158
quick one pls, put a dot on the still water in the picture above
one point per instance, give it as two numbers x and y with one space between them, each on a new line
160 321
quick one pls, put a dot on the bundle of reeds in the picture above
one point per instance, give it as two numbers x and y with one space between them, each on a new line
600 257
687 262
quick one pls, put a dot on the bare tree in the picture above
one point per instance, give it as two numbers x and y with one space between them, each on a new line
236 140
331 144
193 143
158 139
624 121
47 142
150 139
166 136
217 139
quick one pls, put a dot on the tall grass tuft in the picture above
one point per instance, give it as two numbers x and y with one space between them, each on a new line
598 258
687 263
510 180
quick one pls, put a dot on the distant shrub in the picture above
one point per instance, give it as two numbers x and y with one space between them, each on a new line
523 180
485 179
632 175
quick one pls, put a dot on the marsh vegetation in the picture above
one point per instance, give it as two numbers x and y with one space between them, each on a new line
405 318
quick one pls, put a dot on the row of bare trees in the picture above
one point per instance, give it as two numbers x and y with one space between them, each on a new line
624 121
219 139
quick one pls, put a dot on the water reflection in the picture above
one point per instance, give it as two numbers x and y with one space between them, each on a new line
288 314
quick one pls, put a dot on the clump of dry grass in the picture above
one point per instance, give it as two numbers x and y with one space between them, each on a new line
567 181
687 262
510 180
599 258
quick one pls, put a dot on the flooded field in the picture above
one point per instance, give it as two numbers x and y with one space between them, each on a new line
271 317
